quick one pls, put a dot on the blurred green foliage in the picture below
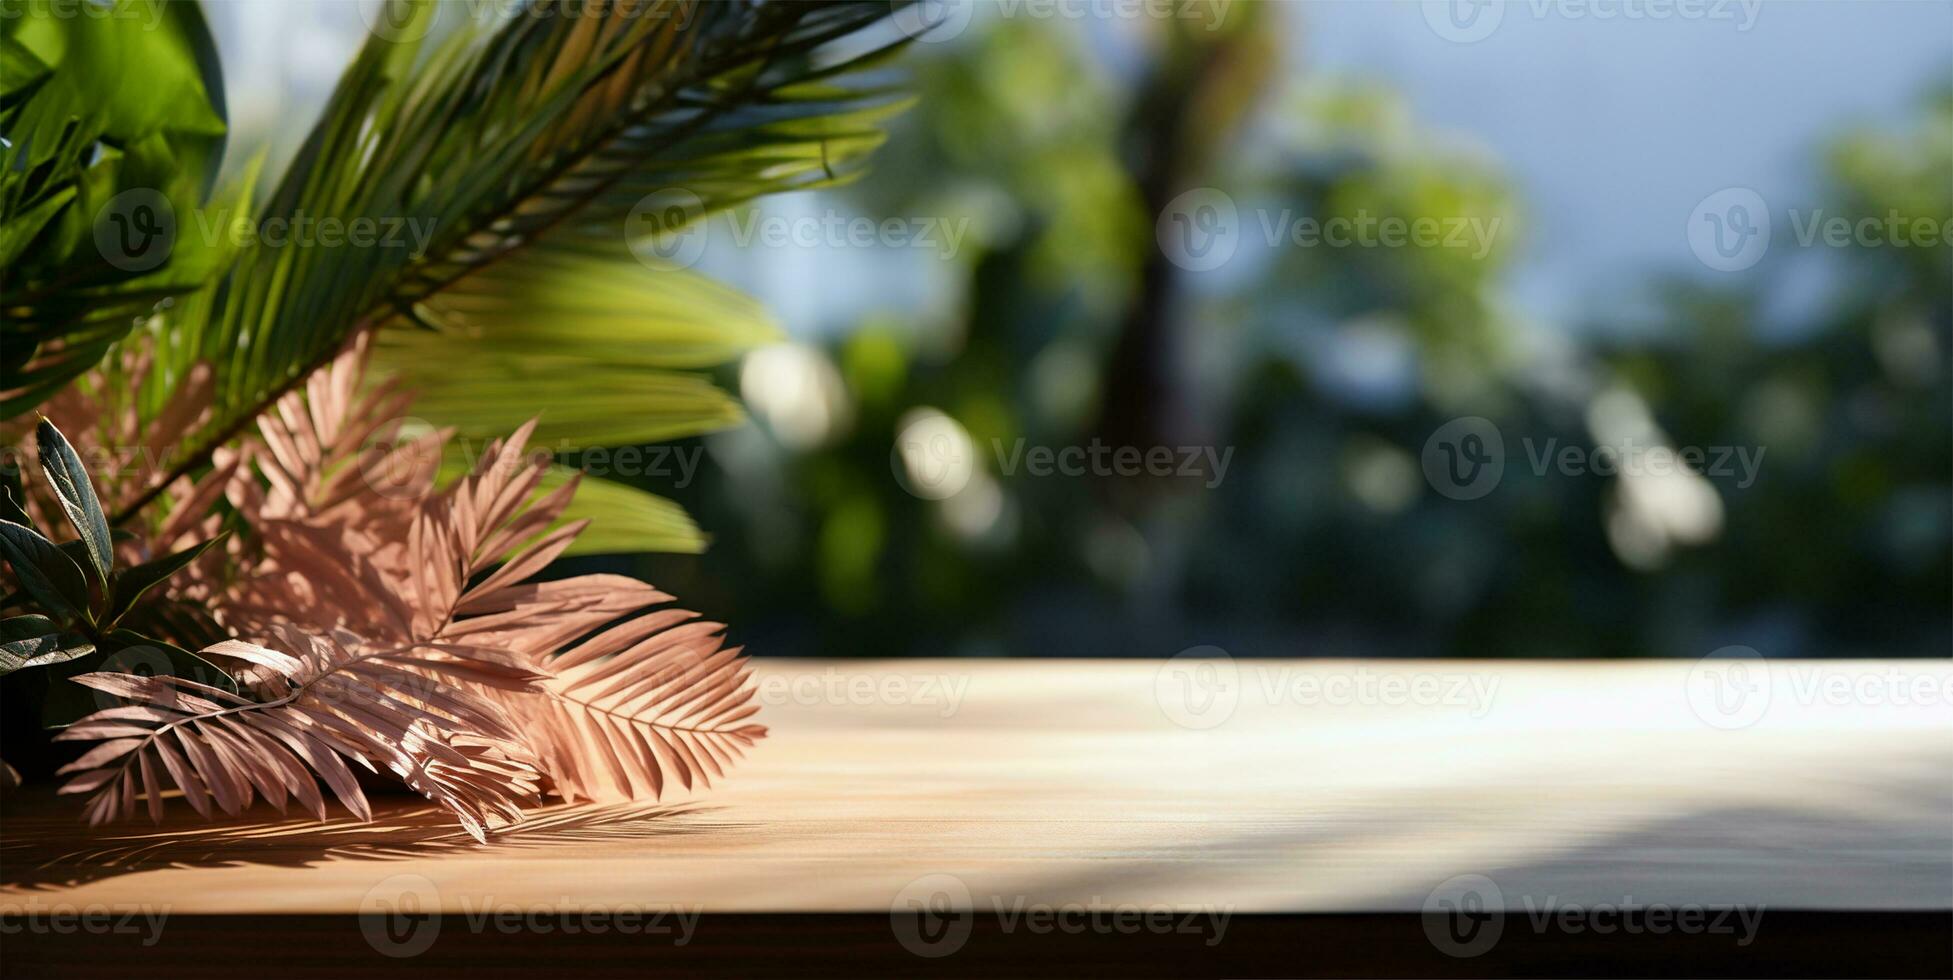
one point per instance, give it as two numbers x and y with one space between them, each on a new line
1325 370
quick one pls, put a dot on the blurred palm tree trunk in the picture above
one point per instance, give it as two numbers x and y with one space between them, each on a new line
1204 82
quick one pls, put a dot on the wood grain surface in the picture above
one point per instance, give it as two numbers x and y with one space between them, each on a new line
1244 786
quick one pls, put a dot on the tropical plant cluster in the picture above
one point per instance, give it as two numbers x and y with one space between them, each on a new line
238 568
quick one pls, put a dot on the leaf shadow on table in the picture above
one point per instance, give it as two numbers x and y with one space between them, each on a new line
38 853
1737 856
1879 841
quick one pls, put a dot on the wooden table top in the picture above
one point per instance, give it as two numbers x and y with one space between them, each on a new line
1253 786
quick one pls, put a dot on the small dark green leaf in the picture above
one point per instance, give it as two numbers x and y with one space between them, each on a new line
47 575
25 627
131 583
35 641
77 495
51 651
15 654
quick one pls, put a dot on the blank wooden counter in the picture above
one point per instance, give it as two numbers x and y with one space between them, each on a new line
1250 786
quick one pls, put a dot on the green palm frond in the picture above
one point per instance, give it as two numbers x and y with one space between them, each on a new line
606 351
623 519
521 147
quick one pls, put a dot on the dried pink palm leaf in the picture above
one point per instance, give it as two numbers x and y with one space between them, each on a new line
381 707
646 697
349 536
641 698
